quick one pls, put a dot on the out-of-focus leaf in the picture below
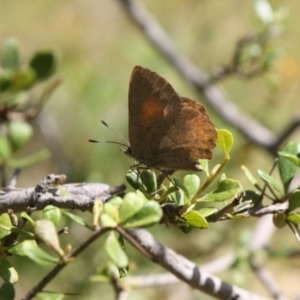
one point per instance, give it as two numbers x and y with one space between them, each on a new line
5 150
132 203
19 134
77 219
294 217
272 181
44 63
7 272
7 291
11 54
149 214
38 255
50 296
29 159
52 213
5 225
115 251
46 232
294 201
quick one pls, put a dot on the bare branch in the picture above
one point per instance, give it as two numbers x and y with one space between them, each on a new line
79 196
184 269
63 263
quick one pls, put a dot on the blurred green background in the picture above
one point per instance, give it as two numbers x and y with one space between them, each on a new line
99 46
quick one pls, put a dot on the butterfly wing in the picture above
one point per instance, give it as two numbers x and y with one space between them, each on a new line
186 136
151 98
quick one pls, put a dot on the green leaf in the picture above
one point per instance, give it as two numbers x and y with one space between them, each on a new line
50 296
11 54
132 203
22 79
77 219
38 255
250 195
180 184
134 179
46 232
294 201
116 201
178 196
115 251
5 225
225 140
52 213
149 214
29 159
19 134
123 272
207 211
17 249
5 151
7 272
250 177
7 291
194 219
204 164
192 184
292 158
227 189
288 163
24 215
6 79
44 63
149 180
294 217
168 192
107 221
97 211
112 211
272 181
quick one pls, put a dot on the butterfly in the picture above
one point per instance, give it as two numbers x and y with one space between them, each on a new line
166 131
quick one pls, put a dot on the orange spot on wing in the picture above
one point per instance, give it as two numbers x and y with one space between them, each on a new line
152 111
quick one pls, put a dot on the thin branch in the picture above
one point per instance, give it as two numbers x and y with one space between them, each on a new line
266 278
216 266
13 182
79 196
184 269
62 264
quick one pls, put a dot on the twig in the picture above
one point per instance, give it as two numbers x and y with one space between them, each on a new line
216 266
13 182
266 278
79 196
62 264
184 269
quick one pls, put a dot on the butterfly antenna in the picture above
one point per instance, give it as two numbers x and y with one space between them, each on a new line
108 142
119 135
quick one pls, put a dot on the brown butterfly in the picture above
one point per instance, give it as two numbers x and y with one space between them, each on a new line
166 131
